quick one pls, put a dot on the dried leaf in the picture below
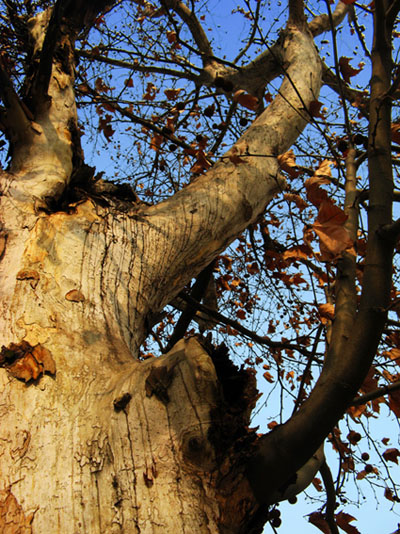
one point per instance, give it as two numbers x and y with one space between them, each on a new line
301 252
391 455
343 520
172 94
389 494
394 402
287 163
318 520
346 69
246 100
315 109
394 354
329 226
239 149
156 142
202 163
241 314
317 484
268 377
171 36
395 131
326 312
300 202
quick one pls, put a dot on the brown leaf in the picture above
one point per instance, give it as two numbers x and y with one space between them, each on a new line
315 194
394 402
389 494
246 100
395 131
156 142
391 455
287 163
234 156
172 94
240 148
343 520
317 484
346 69
171 36
202 163
318 520
334 237
268 377
315 109
301 252
300 202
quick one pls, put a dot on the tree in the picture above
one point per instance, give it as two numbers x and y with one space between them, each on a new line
99 436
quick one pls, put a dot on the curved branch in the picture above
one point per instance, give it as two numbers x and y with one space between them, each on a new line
375 394
322 23
196 29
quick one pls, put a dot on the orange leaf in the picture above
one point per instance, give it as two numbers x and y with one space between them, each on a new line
334 237
300 202
268 377
202 163
321 176
246 100
287 163
395 130
156 142
302 252
326 312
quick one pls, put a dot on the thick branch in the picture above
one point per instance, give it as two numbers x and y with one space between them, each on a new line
216 207
375 394
283 451
322 23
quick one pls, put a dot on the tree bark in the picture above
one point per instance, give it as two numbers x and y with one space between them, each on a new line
92 439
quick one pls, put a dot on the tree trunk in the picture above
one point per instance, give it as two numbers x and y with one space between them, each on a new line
104 442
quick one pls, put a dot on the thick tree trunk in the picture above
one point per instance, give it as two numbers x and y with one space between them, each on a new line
92 440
